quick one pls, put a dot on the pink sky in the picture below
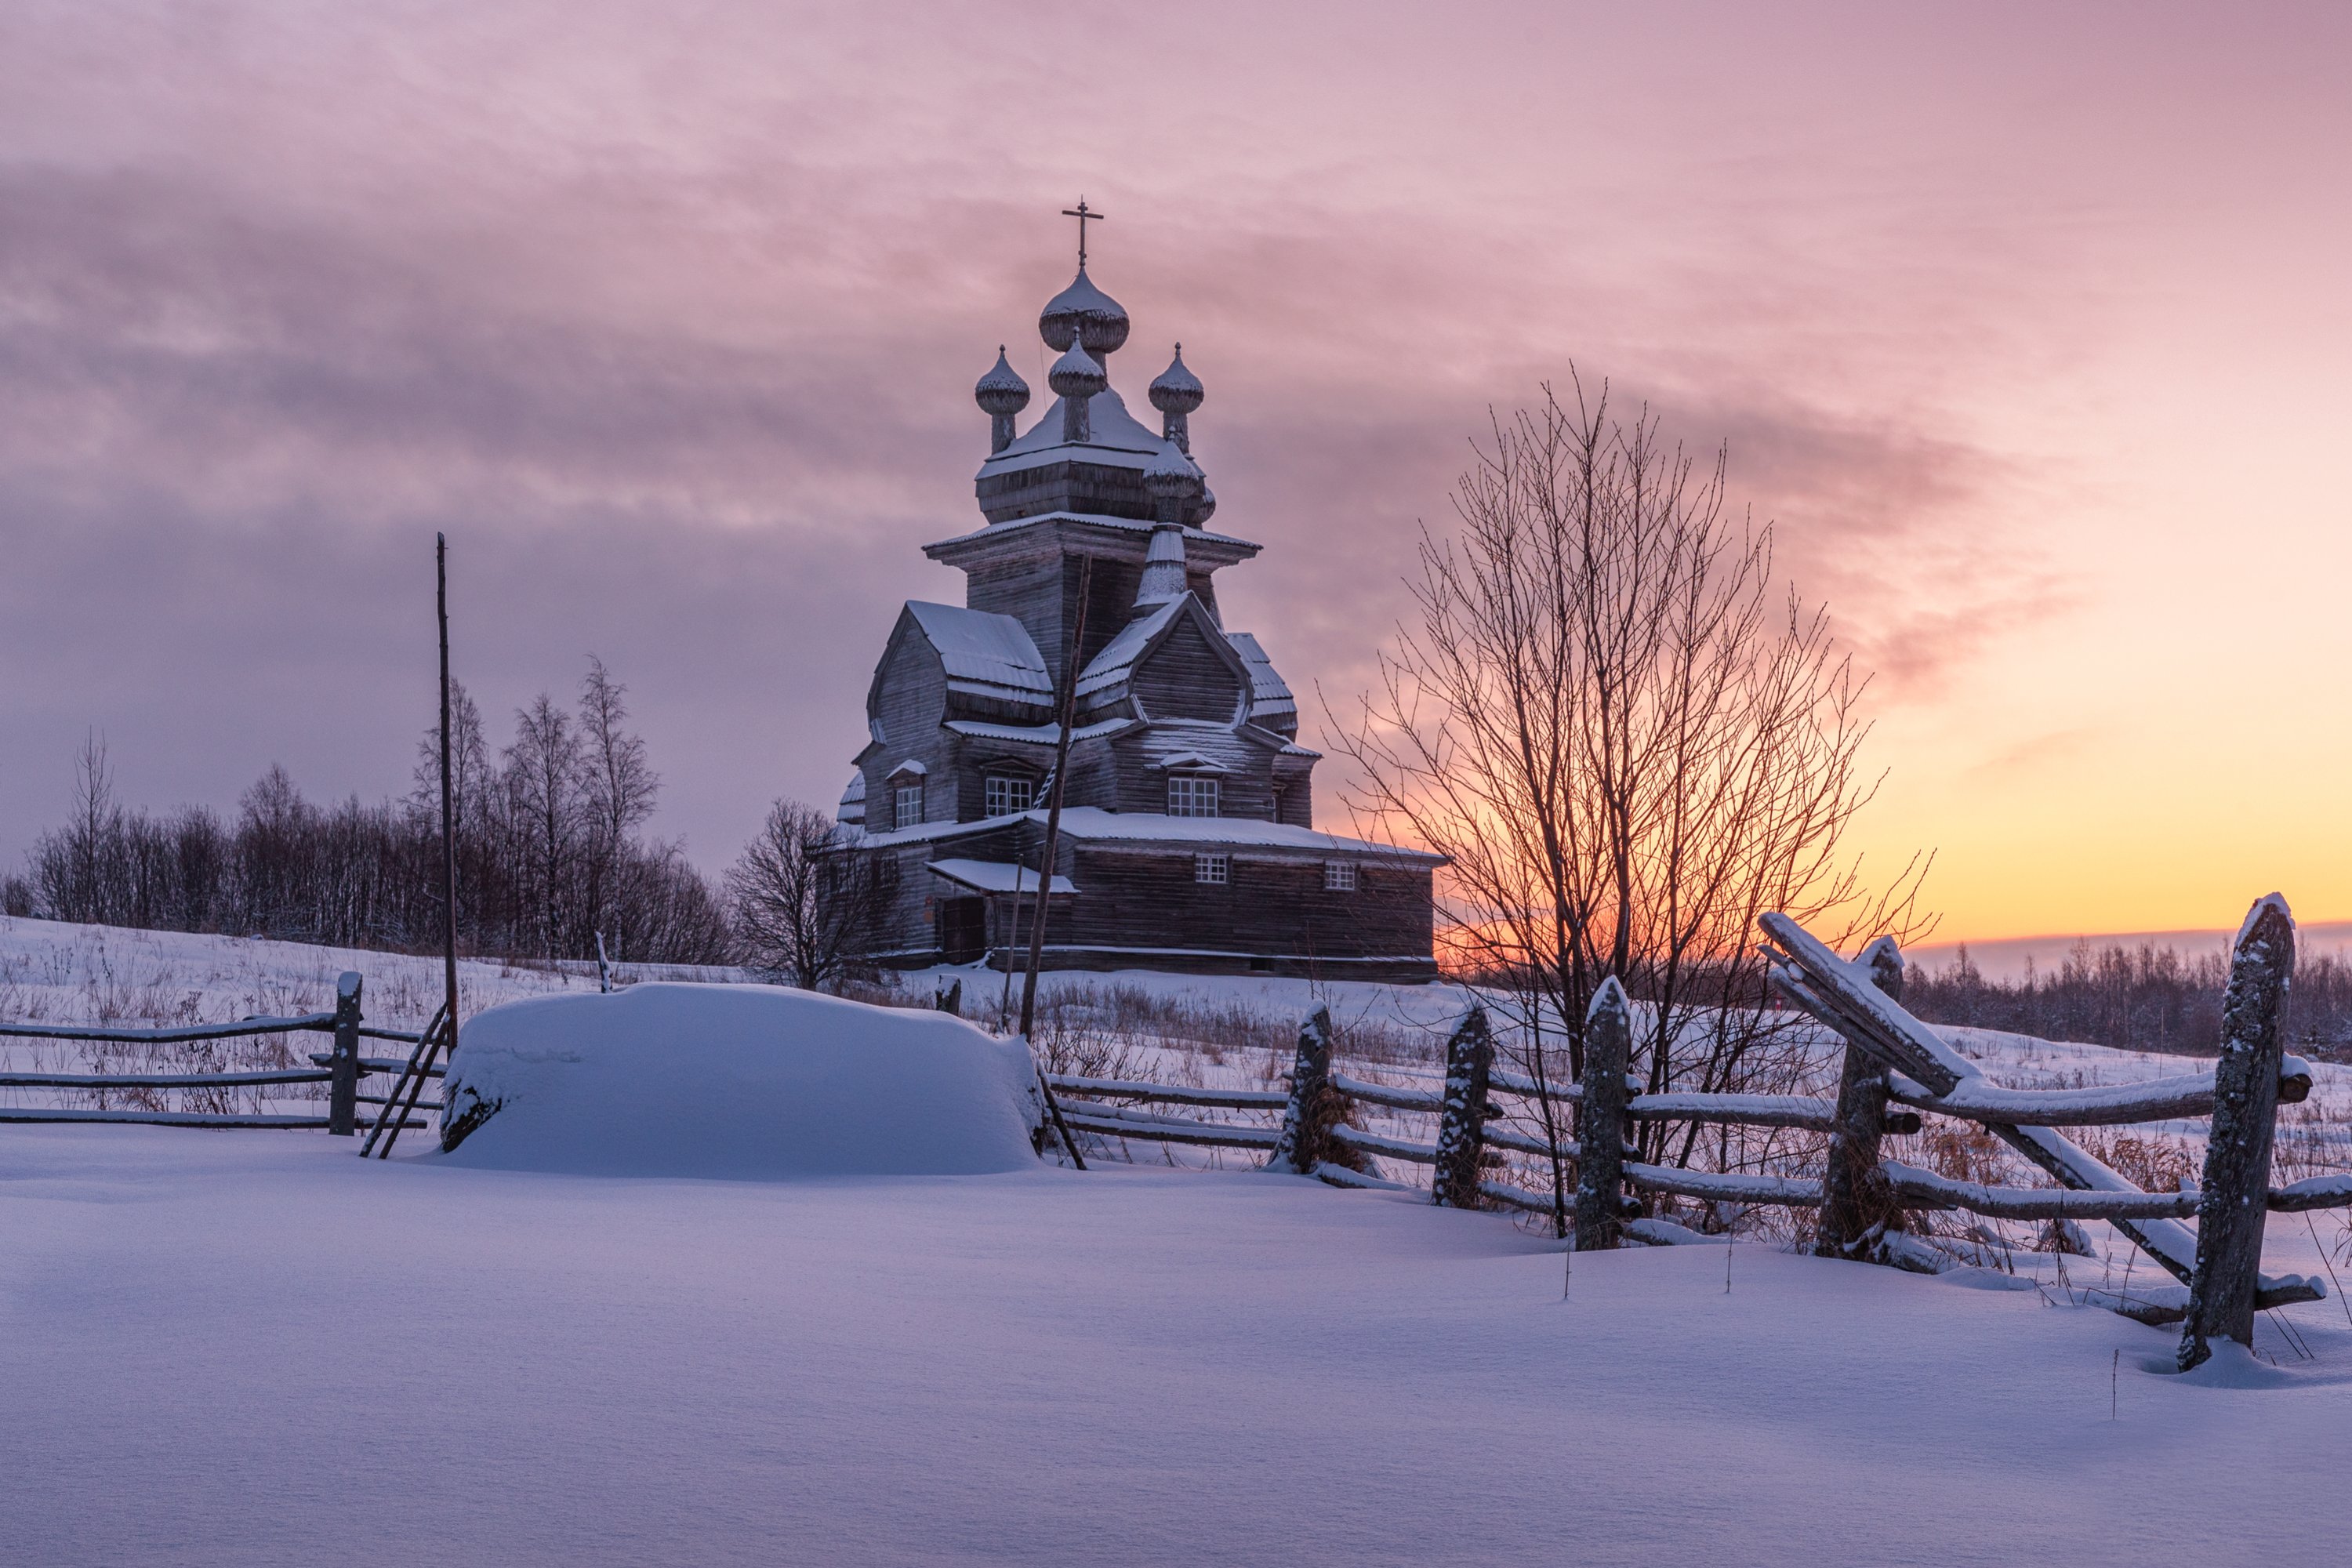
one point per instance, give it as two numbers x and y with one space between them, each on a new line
2029 330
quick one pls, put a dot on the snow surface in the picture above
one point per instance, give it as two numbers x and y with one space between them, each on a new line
744 1081
253 1349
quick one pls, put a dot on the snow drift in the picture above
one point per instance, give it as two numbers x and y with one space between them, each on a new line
736 1082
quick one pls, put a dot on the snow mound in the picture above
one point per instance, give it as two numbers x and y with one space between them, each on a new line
735 1081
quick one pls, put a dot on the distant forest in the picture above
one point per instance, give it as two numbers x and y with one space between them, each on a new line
551 852
2146 999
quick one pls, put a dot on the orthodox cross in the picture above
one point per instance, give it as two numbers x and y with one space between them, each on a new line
1082 213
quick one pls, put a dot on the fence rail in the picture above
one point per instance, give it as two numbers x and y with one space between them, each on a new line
1862 1198
341 1069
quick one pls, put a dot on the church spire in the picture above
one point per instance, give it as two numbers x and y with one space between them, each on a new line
1172 481
1176 391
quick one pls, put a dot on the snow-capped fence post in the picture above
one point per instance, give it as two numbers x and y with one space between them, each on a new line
1307 1119
1858 1202
2233 1203
1461 1124
1602 1118
343 1088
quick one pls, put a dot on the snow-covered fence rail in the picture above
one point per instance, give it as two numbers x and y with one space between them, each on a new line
341 1069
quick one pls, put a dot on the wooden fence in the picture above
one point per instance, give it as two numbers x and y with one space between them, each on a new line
1891 1060
342 1068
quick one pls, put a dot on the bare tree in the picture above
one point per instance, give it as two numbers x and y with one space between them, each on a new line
543 778
620 786
1627 740
805 902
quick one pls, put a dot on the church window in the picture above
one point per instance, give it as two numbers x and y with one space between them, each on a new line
1216 868
909 805
1339 876
1009 793
1189 797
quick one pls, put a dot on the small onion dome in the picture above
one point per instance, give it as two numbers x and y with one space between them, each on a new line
1001 392
1076 373
1084 313
1177 390
1172 475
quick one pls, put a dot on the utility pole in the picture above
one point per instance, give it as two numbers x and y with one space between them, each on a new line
448 804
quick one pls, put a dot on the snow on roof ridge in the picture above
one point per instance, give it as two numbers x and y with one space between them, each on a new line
982 646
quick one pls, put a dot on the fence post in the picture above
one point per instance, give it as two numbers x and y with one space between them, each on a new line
2235 1198
1305 1142
1462 1125
1858 1204
1600 1118
342 1090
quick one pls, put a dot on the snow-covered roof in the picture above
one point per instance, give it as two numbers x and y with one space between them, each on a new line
997 877
1114 437
1204 744
1268 694
996 530
984 655
852 810
911 765
1093 823
1038 734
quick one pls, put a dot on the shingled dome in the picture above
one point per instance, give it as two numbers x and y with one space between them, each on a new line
1084 313
1075 375
1177 390
1001 390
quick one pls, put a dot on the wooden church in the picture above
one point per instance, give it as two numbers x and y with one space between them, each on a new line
1188 837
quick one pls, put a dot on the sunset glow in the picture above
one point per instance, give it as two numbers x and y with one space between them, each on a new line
2028 331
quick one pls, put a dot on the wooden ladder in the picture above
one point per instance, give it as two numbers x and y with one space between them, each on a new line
394 1115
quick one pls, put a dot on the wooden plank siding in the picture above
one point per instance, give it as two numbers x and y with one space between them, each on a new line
910 696
1185 677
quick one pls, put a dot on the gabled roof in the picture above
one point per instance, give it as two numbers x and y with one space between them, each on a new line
984 655
1121 656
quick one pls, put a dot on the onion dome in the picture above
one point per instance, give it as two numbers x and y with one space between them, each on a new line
1076 374
1172 477
1177 390
1001 392
1084 313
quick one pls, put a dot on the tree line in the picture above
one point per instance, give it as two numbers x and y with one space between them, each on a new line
550 839
2146 999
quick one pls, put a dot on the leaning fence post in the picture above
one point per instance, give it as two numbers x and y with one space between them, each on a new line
2235 1198
1307 1119
1858 1203
343 1088
1601 1120
1461 1124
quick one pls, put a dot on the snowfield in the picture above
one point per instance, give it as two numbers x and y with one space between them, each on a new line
253 1348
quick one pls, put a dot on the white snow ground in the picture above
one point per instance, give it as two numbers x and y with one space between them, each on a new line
252 1348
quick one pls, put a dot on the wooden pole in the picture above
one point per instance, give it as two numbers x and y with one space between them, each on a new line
1461 1124
448 804
1054 802
1069 713
1306 1139
343 1088
1858 1202
1600 1128
2232 1204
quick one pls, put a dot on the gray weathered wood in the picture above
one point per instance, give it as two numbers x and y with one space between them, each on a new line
1461 1125
1313 1106
1601 1121
343 1108
158 1079
183 1035
2233 1200
1858 1202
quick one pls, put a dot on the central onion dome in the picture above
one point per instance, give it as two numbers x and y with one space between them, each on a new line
1084 313
1076 374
